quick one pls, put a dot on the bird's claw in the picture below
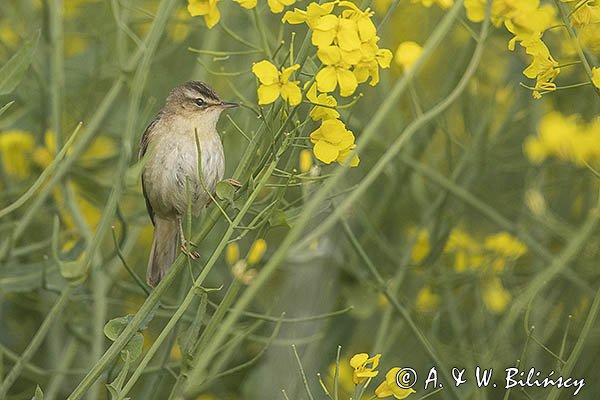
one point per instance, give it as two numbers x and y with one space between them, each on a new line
190 253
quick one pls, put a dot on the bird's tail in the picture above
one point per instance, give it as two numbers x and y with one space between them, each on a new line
164 249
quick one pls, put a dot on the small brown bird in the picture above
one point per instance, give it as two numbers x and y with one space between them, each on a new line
170 142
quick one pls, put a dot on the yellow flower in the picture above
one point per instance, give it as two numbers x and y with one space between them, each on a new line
589 37
586 15
505 245
427 301
246 3
333 142
274 83
232 253
324 105
311 16
342 31
257 251
75 44
407 54
345 373
372 58
596 77
390 387
277 6
16 148
336 72
495 297
364 367
179 30
566 138
306 161
206 8
421 248
543 67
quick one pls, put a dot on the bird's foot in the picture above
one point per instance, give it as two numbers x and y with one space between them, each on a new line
190 253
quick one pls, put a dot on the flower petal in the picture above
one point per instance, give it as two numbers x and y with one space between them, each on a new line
266 72
268 93
347 82
326 79
325 152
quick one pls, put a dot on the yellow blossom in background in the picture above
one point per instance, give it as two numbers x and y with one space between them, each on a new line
465 249
505 244
389 387
274 83
589 37
495 297
205 8
596 77
75 44
277 6
586 14
306 160
232 253
333 142
566 138
8 34
427 300
249 4
345 376
445 4
421 247
257 251
16 148
407 54
364 367
178 30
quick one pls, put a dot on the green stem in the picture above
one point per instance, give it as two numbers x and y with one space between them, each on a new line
35 343
311 207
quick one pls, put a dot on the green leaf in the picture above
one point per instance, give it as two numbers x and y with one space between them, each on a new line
39 395
225 191
278 218
133 348
13 71
116 386
115 326
73 272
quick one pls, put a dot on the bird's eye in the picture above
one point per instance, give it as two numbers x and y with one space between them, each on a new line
200 102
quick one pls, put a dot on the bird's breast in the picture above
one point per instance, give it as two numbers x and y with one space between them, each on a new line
173 161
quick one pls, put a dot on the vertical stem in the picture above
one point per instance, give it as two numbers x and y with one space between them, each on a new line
35 343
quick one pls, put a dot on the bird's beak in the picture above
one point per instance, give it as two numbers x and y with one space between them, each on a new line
228 104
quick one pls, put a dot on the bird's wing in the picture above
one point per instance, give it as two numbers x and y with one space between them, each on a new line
143 148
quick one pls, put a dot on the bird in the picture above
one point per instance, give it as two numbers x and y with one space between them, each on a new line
169 149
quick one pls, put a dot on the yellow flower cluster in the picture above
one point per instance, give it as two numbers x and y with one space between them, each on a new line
210 11
364 369
495 252
566 138
346 43
239 268
526 20
16 148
